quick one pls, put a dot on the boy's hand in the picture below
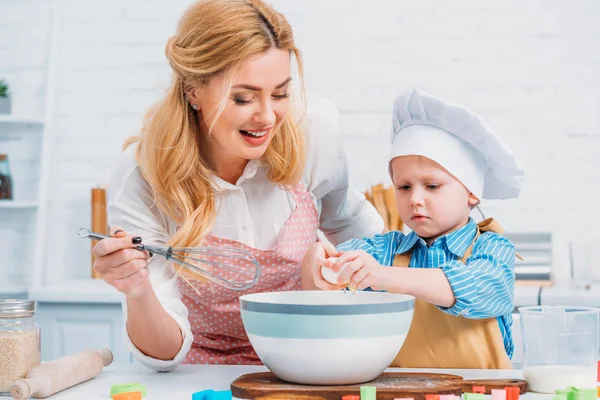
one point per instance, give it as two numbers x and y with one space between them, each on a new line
313 260
360 270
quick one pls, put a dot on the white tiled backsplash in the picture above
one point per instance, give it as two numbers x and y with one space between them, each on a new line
531 68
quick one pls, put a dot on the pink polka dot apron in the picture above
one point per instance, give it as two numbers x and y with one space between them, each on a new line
214 311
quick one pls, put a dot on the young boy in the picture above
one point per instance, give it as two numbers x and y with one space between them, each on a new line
444 159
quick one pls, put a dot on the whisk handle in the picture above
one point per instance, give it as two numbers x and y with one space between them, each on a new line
85 233
96 236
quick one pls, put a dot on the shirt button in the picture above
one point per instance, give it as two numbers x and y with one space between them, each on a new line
245 226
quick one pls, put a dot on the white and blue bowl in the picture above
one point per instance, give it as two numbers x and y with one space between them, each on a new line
327 337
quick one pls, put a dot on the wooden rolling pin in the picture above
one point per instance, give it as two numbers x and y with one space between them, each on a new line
49 378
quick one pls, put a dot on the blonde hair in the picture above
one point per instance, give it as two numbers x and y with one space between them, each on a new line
213 36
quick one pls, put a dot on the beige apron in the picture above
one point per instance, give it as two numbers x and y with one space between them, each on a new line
439 340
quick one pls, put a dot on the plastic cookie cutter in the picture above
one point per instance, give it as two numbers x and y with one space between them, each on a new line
499 394
449 397
368 392
127 396
474 396
212 395
478 389
125 388
573 393
566 393
512 392
589 393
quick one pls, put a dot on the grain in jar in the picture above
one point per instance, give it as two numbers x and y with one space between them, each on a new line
19 341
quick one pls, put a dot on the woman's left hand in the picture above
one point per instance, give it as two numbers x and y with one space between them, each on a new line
314 259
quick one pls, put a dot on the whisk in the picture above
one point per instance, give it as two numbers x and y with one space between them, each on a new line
203 261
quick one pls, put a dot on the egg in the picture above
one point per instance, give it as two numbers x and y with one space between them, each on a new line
330 275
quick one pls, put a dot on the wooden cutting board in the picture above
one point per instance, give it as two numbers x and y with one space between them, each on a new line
390 385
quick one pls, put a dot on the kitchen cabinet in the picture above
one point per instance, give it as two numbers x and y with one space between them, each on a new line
80 315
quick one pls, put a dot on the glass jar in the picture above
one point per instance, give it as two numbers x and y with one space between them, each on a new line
6 190
560 347
19 341
585 264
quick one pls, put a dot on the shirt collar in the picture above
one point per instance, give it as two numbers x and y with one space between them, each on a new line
220 185
408 243
457 241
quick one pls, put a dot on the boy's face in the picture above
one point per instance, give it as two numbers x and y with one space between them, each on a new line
430 200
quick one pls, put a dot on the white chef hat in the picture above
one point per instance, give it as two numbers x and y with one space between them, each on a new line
458 140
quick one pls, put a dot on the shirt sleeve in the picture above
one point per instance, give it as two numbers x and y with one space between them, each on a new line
381 246
484 285
344 212
131 207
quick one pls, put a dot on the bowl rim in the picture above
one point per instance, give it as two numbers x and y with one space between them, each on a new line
255 305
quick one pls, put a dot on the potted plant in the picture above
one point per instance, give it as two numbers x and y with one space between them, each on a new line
5 103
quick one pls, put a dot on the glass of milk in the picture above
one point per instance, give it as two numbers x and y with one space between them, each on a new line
560 346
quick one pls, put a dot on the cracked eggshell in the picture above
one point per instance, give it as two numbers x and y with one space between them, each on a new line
330 276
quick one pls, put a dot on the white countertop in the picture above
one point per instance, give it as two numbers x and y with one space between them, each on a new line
97 291
77 291
188 379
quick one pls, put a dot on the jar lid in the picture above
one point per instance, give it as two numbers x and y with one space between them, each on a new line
16 308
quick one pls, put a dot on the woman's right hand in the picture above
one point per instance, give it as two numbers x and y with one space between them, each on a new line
121 265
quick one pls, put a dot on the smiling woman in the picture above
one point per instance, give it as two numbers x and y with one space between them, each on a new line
224 159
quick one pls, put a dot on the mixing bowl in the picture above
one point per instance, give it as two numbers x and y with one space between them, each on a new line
327 337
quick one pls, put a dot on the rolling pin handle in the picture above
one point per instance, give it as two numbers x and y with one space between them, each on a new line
107 356
20 390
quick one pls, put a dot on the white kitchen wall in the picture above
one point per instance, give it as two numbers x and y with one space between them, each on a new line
532 68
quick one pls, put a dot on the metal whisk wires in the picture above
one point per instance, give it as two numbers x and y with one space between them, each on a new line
229 267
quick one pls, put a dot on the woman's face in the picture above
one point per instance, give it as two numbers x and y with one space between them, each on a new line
253 110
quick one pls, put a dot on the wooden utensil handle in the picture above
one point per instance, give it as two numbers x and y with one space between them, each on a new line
99 219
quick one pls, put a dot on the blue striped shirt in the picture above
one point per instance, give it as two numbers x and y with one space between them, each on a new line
483 287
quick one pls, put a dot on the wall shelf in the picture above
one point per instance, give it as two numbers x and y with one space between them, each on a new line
18 204
14 289
16 120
